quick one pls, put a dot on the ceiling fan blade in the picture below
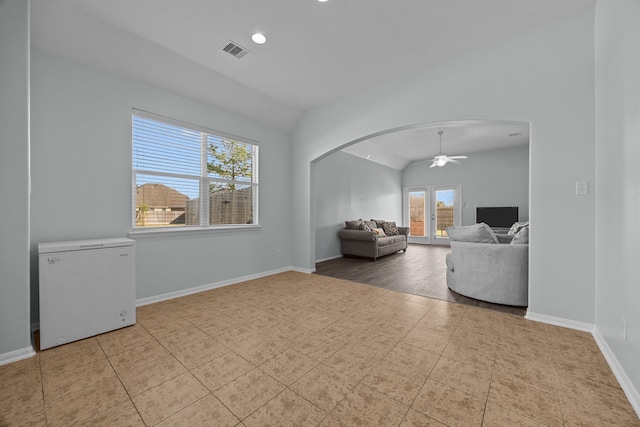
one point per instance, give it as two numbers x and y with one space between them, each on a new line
433 165
422 161
458 157
451 160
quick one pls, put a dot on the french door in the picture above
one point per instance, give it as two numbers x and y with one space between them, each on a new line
430 210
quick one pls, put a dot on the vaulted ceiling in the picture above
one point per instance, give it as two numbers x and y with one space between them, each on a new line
316 52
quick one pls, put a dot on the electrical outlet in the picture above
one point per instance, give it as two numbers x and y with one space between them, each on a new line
582 188
624 328
277 253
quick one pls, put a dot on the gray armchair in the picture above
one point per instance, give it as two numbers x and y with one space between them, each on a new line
493 272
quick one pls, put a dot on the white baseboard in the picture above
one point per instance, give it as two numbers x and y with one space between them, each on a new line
329 258
627 386
304 270
14 356
558 321
185 292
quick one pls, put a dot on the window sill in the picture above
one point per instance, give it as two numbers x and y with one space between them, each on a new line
183 231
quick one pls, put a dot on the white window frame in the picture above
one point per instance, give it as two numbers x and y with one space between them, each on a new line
203 178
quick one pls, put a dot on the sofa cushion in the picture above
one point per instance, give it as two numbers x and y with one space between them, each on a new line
353 225
390 240
379 232
477 233
521 237
517 226
390 228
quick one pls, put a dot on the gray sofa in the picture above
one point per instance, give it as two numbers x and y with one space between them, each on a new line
489 267
365 243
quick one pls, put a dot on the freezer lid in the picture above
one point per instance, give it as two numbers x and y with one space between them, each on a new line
81 245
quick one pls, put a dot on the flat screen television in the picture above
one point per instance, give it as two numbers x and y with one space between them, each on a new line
497 216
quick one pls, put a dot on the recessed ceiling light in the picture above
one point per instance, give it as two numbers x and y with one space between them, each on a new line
259 38
322 1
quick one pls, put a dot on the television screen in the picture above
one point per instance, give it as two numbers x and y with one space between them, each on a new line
497 216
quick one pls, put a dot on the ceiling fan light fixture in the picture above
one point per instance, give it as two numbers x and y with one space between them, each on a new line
442 159
439 161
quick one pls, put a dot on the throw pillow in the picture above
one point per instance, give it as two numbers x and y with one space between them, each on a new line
379 232
390 228
477 233
521 237
371 224
517 226
378 222
353 225
365 227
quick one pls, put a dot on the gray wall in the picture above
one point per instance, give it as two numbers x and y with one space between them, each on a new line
81 163
545 77
348 187
618 181
14 179
488 178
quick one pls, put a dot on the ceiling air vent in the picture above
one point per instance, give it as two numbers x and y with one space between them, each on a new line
235 49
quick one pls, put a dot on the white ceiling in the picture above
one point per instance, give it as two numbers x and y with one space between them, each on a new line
315 53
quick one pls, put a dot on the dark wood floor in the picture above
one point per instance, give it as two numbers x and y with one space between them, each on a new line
419 271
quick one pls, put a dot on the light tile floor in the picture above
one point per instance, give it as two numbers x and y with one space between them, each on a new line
297 349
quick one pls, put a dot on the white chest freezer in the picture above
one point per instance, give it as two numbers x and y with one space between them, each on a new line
87 287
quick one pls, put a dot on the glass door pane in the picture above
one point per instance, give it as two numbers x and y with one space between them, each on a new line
445 211
417 211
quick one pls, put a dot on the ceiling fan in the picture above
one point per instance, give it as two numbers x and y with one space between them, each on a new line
441 159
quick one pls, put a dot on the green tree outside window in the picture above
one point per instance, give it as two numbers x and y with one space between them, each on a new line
232 160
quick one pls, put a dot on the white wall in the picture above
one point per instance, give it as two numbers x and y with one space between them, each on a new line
82 188
15 341
618 181
544 77
488 178
349 187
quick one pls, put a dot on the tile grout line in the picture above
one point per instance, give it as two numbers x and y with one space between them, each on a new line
44 403
121 383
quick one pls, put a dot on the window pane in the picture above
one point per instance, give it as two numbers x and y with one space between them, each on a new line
232 205
230 160
163 147
164 201
182 170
